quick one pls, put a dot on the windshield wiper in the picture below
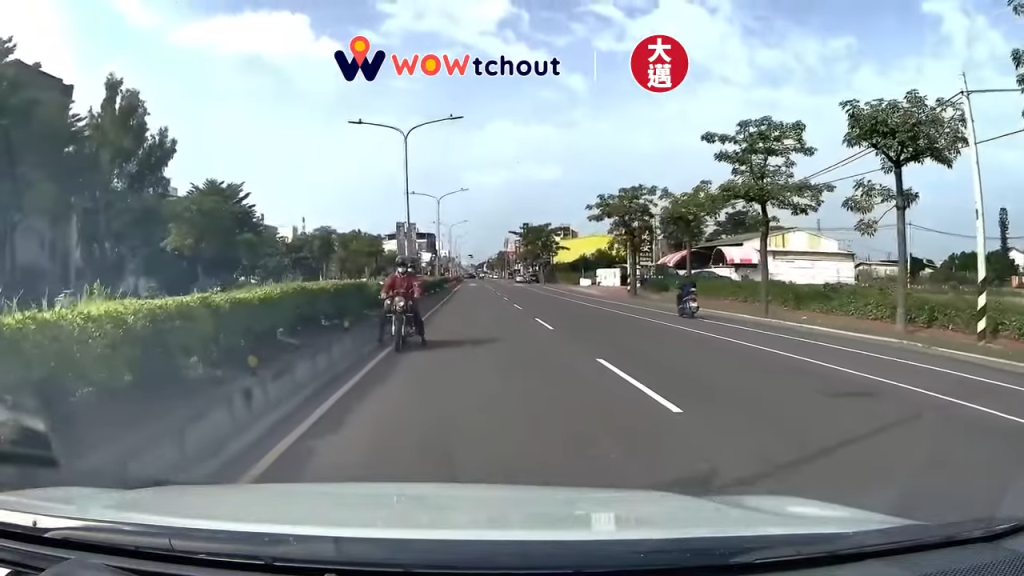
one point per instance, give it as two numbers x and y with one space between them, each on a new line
899 539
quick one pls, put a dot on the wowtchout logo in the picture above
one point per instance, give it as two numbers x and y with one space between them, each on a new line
432 64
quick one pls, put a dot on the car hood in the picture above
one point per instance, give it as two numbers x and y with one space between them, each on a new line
436 511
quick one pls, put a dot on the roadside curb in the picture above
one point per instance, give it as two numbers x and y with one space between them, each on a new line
222 428
854 335
869 337
247 438
366 359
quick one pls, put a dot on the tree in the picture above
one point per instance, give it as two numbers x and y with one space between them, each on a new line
630 216
360 254
128 181
902 133
761 153
1000 266
1004 230
684 219
743 220
208 224
323 245
866 197
538 246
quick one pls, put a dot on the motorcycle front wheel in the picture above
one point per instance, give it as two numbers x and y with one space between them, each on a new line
398 329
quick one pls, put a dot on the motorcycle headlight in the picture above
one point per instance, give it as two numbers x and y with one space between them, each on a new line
399 305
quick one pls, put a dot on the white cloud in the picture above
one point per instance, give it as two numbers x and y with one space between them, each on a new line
277 34
254 95
43 35
138 13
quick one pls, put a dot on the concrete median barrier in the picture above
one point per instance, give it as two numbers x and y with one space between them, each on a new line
191 444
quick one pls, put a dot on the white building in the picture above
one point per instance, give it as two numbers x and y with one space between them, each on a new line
1017 255
794 255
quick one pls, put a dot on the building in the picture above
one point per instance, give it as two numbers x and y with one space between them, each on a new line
287 232
564 231
868 270
426 245
46 253
510 246
581 246
1017 255
794 255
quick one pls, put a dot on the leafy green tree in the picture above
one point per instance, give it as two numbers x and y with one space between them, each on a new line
323 246
360 254
128 185
208 224
539 246
1000 266
866 197
685 217
737 221
630 216
762 155
904 132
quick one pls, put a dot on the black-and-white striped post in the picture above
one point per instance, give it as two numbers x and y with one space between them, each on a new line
979 219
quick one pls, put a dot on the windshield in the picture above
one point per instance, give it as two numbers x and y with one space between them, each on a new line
422 270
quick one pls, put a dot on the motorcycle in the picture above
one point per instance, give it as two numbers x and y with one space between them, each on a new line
688 306
403 324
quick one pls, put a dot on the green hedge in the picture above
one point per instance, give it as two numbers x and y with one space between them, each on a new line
926 310
105 343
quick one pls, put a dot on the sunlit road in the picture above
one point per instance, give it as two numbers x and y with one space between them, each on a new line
535 385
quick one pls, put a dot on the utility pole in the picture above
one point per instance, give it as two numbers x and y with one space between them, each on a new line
979 219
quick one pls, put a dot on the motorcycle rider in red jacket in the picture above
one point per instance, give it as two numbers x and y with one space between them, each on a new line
403 281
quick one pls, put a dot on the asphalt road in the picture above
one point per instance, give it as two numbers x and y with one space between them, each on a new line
549 386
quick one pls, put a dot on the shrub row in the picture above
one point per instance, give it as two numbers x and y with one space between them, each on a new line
927 310
116 342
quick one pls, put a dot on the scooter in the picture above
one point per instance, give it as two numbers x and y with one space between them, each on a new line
688 306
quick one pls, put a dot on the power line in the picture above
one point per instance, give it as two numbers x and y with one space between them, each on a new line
965 148
920 228
956 235
864 152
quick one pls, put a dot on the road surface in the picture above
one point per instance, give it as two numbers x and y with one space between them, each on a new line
549 386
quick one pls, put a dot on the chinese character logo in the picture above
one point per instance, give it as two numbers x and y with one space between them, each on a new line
659 63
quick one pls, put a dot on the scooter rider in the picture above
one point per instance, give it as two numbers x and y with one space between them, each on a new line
687 288
405 282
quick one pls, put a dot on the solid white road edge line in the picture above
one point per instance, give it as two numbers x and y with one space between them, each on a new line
544 324
805 359
654 395
808 341
268 460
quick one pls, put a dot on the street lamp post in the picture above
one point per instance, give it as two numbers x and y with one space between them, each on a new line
450 239
437 227
405 140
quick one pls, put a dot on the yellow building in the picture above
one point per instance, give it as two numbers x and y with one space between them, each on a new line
576 247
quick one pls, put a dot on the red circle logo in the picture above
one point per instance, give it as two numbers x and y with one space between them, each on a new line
659 63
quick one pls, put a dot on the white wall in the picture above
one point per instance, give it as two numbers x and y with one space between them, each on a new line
812 267
1018 258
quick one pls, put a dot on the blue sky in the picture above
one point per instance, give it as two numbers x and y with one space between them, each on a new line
252 93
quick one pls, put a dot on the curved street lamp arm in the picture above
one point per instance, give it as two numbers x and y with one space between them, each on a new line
433 122
395 128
